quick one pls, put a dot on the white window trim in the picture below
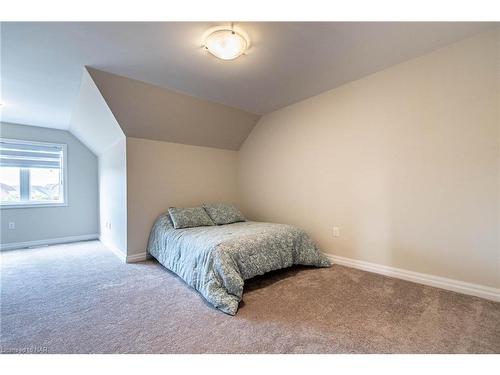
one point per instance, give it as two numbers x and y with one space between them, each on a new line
65 179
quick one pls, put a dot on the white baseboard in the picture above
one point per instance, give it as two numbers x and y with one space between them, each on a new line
137 257
52 241
477 290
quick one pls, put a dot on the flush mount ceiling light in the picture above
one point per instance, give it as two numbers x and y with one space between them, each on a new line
226 44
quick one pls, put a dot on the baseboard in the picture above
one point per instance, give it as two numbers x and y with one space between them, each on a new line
52 241
477 290
137 257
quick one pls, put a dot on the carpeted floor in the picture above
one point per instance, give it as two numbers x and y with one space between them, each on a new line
80 298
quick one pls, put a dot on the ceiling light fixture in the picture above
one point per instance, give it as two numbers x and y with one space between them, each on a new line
226 44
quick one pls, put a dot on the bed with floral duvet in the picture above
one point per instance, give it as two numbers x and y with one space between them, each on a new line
217 259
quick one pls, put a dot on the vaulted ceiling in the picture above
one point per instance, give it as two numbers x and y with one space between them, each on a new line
147 111
42 63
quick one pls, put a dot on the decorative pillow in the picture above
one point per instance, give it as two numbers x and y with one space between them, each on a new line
223 213
189 217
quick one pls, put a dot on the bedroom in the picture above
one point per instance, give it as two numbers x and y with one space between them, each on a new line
250 187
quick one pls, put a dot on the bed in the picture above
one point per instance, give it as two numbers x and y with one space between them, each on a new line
216 260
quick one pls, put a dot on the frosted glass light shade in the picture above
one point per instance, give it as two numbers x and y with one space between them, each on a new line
226 44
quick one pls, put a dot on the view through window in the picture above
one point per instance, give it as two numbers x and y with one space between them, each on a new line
31 172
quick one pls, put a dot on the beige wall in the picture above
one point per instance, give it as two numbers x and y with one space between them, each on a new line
498 124
405 162
163 174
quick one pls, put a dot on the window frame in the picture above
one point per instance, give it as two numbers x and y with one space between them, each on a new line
64 179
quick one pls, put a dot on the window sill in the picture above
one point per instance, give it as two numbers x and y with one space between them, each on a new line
31 205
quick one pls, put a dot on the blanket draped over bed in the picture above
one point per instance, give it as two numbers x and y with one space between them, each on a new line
215 260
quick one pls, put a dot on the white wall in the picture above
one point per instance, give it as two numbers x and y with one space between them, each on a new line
113 197
93 122
405 162
164 174
79 217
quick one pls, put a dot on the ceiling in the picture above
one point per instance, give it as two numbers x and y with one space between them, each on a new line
166 115
42 63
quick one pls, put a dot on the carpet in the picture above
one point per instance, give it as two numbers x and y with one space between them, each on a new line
80 298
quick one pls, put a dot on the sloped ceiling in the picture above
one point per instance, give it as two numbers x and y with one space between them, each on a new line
152 112
92 121
42 62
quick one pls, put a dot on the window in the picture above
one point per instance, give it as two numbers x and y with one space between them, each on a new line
32 173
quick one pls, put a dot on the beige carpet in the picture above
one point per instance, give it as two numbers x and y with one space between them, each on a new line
80 298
